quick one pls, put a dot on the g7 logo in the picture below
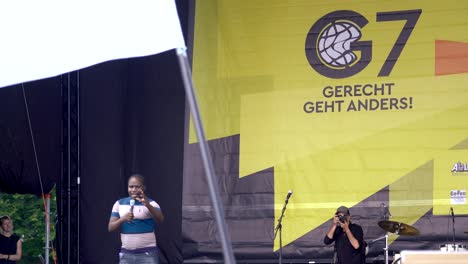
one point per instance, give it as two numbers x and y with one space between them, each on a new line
333 40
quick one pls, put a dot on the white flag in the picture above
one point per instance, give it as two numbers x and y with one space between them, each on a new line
40 39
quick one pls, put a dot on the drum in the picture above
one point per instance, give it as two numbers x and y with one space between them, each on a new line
453 247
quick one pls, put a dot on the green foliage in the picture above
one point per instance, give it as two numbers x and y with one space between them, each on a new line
27 212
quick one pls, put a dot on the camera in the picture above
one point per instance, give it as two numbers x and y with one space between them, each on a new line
342 218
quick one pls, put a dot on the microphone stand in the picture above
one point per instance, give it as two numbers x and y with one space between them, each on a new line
386 213
386 217
453 230
386 245
279 229
335 255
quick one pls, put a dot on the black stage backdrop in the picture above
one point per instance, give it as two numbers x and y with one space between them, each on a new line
132 121
18 169
132 114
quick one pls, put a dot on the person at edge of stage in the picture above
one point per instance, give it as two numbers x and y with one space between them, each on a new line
10 243
348 238
136 216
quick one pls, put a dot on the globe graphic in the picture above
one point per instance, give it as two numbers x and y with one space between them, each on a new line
334 44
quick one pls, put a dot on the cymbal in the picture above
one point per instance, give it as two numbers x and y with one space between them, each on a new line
398 228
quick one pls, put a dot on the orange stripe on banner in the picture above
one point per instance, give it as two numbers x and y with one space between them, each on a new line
451 57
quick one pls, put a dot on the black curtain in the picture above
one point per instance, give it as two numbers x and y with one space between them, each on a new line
19 172
132 121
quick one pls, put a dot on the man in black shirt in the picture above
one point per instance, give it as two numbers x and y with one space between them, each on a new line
348 238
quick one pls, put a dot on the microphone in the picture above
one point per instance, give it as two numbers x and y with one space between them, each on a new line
452 214
288 196
132 204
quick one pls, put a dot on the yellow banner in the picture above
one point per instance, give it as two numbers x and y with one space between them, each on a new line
342 98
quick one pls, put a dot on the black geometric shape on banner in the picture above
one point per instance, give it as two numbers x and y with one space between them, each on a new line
248 203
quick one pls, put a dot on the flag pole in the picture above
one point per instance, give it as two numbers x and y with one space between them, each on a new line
206 156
